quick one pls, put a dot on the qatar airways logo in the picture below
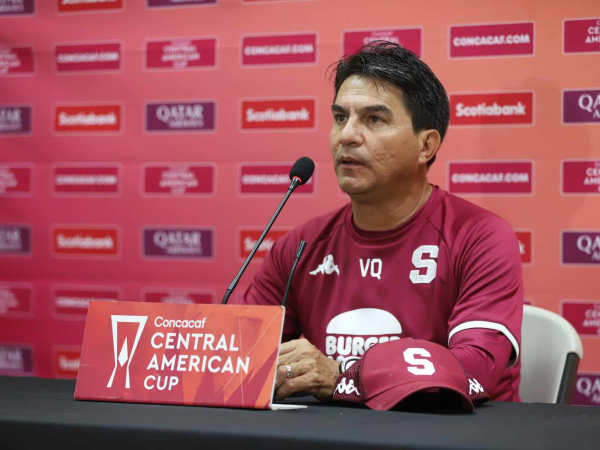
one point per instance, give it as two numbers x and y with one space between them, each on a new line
104 57
181 116
409 38
581 177
581 106
256 178
127 350
16 61
15 120
587 389
296 114
15 240
181 54
352 333
490 177
492 40
583 315
83 6
15 180
487 109
179 180
85 119
17 7
581 36
580 247
282 49
16 360
248 239
178 243
86 242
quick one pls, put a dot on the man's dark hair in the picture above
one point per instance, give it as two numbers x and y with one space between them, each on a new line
424 96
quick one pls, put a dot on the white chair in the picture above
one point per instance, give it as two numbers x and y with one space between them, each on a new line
550 354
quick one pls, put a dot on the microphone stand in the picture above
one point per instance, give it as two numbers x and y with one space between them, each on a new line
293 185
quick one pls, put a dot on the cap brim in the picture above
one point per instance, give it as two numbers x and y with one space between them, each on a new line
388 399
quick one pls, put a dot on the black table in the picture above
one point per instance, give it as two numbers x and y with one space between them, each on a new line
41 413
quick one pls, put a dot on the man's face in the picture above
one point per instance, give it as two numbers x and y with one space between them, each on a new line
373 145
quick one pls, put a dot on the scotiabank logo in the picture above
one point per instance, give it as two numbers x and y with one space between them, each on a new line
15 120
178 243
525 239
169 3
270 179
483 109
16 7
581 106
587 389
67 6
490 177
88 57
583 315
278 114
74 301
179 179
581 247
581 176
123 350
409 38
15 240
88 180
86 241
16 359
282 49
66 362
16 61
581 36
493 40
181 116
16 300
352 333
248 239
85 119
15 180
180 296
194 53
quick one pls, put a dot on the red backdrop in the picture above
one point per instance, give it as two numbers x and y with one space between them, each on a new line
144 142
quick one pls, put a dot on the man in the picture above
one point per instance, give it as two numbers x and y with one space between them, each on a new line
404 259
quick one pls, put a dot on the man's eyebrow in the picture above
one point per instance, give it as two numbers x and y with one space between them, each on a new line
372 108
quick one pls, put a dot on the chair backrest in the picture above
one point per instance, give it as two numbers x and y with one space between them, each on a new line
550 354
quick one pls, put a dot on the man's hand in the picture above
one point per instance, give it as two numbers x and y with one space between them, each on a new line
311 371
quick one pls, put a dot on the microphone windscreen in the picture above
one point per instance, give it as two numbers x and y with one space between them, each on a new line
302 169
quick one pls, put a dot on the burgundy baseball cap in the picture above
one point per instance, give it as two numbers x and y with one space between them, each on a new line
406 369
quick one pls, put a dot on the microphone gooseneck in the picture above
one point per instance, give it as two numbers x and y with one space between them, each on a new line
299 252
300 173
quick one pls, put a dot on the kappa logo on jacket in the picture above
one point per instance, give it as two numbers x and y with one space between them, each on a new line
327 268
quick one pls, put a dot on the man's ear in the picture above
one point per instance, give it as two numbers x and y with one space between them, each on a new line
429 142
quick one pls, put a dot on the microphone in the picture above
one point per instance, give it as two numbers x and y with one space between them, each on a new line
300 173
299 252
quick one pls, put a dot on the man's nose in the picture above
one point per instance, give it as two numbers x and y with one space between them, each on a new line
351 134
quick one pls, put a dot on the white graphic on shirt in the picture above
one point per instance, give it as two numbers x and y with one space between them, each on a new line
352 333
475 386
347 389
424 366
376 265
420 263
327 268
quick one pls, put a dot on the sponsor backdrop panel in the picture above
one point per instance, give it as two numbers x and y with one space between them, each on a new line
140 163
